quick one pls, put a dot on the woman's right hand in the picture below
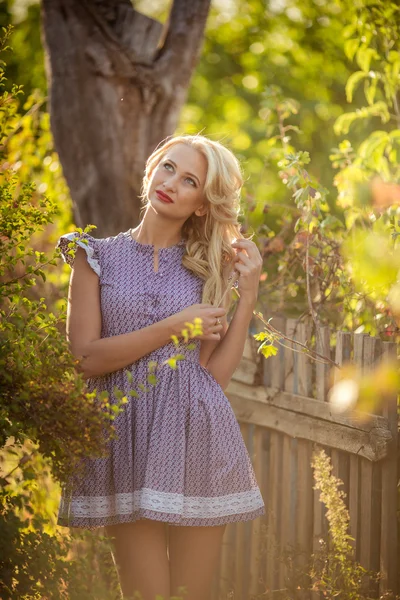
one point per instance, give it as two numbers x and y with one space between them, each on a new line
207 313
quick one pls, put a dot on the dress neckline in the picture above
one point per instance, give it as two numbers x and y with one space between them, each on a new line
180 244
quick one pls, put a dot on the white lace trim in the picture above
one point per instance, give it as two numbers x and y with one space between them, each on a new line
93 262
188 507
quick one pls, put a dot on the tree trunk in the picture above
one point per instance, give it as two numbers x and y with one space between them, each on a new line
117 82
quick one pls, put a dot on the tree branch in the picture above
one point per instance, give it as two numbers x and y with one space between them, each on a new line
180 51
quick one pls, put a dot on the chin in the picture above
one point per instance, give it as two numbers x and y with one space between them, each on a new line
158 206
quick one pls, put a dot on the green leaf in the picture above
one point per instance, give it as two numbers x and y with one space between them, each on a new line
352 82
332 222
370 88
350 47
364 57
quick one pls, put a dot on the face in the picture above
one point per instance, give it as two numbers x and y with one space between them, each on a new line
176 187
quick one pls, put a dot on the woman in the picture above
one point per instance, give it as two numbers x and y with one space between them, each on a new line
179 470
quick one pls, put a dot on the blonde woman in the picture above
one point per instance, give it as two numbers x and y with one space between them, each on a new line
179 470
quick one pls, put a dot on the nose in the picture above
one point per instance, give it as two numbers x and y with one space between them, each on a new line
170 182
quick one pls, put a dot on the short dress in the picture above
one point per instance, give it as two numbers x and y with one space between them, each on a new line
179 455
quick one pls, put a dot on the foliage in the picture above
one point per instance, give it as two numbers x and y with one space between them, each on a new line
45 412
41 396
294 51
49 422
26 63
335 572
272 83
341 269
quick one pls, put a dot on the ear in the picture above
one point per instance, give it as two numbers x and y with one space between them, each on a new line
201 211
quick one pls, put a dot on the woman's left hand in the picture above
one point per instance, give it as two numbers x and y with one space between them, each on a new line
248 263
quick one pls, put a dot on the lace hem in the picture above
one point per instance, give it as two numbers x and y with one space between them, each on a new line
165 502
90 250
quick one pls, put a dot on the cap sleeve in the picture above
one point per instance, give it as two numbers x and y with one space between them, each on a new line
90 246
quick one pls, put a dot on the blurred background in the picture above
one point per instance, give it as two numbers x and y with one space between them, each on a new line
305 93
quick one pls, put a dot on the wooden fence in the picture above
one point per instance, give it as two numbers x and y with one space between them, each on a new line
282 409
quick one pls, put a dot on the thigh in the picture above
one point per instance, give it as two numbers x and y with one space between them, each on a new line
140 551
193 558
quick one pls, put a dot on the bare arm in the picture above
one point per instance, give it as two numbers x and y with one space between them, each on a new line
105 355
227 355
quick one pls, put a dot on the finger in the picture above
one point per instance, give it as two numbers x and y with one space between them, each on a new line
209 336
212 327
249 246
243 269
217 312
251 264
246 260
213 336
215 328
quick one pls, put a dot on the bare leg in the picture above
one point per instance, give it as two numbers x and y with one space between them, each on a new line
193 557
140 551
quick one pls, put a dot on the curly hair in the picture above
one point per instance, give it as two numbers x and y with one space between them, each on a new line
209 237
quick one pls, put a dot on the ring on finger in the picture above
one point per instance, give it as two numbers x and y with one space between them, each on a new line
218 321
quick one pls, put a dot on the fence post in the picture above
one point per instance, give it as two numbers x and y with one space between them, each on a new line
389 531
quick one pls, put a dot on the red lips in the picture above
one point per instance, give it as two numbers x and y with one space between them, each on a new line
163 196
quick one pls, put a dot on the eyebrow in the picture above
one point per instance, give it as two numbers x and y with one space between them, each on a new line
187 173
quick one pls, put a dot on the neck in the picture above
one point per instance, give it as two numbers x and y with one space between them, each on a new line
157 231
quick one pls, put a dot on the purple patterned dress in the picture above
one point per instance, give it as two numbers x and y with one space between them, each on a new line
179 456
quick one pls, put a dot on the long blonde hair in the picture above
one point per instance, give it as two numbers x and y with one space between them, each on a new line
209 237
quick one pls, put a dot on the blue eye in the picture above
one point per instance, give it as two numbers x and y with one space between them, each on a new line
167 164
193 183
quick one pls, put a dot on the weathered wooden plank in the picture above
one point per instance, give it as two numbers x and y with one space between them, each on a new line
274 492
246 549
318 514
278 362
321 389
340 460
370 514
304 516
291 328
266 436
322 369
372 445
389 558
341 469
255 550
250 349
304 362
239 574
308 407
319 524
355 462
354 503
246 371
358 348
287 523
343 351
